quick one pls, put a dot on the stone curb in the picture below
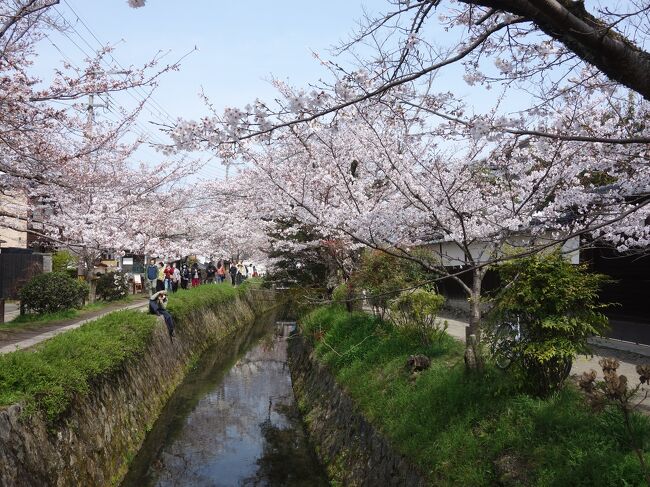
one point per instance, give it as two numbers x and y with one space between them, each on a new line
622 345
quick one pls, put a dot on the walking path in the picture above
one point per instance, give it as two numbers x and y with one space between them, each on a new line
27 335
628 354
11 310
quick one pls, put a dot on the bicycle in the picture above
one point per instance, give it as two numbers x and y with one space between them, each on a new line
508 344
505 339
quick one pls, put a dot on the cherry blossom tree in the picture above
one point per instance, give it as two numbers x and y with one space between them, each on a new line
375 178
510 45
575 92
72 177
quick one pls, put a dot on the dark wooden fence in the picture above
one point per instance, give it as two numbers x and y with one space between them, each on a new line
17 266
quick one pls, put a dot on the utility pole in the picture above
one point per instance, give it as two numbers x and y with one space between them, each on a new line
85 263
91 112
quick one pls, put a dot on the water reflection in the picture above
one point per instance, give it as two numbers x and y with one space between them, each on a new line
243 431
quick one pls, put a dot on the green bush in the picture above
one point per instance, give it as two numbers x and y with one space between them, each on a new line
340 293
51 292
383 276
64 261
557 306
415 311
344 294
112 286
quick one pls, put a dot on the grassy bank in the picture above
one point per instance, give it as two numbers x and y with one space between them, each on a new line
38 319
470 430
49 375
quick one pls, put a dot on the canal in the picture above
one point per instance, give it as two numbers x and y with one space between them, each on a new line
232 422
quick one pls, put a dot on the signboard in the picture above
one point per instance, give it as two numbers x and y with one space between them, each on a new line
127 260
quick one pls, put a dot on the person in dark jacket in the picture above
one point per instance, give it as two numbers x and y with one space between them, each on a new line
185 276
210 272
152 276
158 307
233 273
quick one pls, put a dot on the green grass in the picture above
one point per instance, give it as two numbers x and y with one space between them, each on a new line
457 426
39 319
48 376
184 302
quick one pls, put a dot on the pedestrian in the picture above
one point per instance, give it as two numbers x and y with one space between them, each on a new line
210 272
185 276
176 278
221 273
160 280
169 271
255 274
233 273
196 275
152 276
158 307
240 272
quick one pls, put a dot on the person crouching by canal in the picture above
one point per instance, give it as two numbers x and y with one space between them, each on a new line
158 307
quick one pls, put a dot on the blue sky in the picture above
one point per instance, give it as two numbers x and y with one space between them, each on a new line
240 46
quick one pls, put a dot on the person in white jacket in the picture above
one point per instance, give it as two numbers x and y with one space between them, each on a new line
176 278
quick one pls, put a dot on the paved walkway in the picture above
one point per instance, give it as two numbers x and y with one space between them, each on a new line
628 354
29 334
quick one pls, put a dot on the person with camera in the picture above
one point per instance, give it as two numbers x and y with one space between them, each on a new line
158 307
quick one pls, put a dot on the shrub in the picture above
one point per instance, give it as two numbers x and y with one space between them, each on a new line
344 294
51 292
384 275
112 286
64 261
557 306
298 301
380 276
416 311
340 293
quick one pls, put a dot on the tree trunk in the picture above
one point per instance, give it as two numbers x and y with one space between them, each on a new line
92 285
588 37
81 264
475 306
85 272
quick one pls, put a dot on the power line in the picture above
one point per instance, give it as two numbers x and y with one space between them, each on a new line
147 100
161 110
71 27
145 133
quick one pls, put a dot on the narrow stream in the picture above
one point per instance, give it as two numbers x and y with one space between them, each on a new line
232 422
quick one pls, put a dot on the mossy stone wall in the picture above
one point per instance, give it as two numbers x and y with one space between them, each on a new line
353 451
91 444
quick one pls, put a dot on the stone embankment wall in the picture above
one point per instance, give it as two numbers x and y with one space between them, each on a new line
353 451
102 431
